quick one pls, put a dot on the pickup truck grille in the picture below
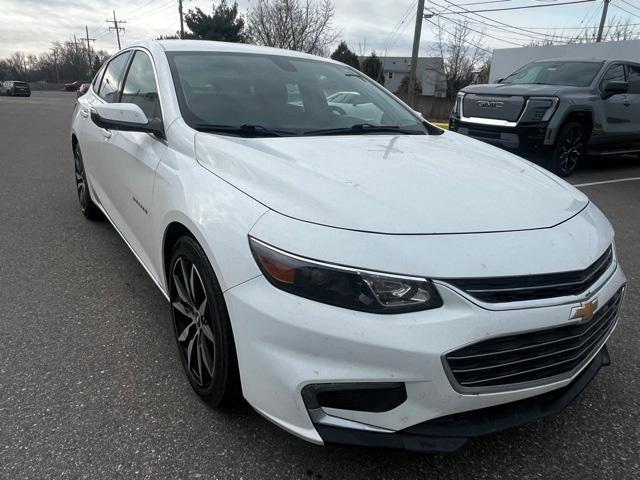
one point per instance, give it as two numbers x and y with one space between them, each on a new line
534 287
506 361
498 107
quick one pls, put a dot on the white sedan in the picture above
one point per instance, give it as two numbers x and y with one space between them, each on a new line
378 282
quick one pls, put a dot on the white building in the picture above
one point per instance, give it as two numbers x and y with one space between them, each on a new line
508 60
429 74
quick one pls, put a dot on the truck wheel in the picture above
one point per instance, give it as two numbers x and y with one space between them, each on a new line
569 150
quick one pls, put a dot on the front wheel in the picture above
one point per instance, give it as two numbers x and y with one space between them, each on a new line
88 208
202 327
570 149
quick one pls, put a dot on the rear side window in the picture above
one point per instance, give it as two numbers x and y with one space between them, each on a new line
615 73
140 86
634 79
110 84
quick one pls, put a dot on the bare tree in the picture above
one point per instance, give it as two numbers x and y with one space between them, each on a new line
462 53
303 25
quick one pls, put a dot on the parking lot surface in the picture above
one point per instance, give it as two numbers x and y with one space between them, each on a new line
91 385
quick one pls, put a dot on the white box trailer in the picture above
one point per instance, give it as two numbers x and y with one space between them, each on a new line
508 60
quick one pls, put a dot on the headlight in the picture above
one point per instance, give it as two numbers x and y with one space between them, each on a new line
457 106
345 287
539 109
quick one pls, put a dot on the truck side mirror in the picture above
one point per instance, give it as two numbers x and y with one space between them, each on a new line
614 87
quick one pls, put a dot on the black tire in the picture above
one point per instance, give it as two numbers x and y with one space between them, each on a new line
569 151
203 334
87 207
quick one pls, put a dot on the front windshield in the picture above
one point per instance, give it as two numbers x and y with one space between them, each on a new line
574 74
282 95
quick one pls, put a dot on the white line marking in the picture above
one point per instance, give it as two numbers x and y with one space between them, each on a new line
630 179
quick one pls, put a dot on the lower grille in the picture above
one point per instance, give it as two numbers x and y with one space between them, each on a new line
529 357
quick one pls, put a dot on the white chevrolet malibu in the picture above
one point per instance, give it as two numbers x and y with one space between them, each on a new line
379 283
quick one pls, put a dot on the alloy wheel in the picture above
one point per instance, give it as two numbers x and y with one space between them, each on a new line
571 151
81 184
193 321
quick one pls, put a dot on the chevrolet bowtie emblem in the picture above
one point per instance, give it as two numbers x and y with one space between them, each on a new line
584 311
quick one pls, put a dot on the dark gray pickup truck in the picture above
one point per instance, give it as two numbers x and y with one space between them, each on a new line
565 108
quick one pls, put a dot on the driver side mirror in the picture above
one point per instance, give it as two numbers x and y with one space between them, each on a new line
127 117
614 88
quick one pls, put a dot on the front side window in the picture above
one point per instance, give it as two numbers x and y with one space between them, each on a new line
295 96
140 86
615 73
110 85
575 74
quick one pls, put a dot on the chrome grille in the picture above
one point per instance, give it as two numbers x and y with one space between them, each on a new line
534 287
499 107
534 356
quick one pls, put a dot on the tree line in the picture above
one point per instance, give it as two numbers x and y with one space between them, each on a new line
64 62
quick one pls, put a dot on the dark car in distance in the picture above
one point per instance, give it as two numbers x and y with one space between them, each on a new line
566 109
16 88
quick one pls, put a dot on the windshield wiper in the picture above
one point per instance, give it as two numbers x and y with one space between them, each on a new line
245 130
364 128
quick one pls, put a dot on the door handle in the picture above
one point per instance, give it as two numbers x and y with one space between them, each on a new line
106 134
84 112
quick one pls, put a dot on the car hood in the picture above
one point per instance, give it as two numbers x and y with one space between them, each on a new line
520 89
395 184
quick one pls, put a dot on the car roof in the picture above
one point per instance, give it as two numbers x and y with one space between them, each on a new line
211 46
587 60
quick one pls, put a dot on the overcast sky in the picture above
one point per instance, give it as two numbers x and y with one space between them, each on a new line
31 25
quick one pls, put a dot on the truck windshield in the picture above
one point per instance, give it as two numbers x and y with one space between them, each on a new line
274 95
575 74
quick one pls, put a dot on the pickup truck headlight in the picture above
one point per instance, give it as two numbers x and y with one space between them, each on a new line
346 287
457 106
539 109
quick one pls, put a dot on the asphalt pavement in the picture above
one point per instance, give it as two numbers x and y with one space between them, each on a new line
91 386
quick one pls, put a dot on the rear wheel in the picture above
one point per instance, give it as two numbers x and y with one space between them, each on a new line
202 327
88 208
570 149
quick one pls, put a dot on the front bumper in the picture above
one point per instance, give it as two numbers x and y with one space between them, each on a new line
447 434
285 343
522 137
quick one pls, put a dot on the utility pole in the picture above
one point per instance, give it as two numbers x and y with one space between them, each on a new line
87 39
115 27
414 53
603 19
181 20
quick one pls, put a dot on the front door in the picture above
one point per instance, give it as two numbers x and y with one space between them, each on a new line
133 158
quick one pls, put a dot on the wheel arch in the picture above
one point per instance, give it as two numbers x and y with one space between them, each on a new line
584 117
172 233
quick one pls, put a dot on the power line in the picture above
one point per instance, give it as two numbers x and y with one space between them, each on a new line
483 2
626 11
509 28
465 41
397 31
557 4
461 24
630 4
